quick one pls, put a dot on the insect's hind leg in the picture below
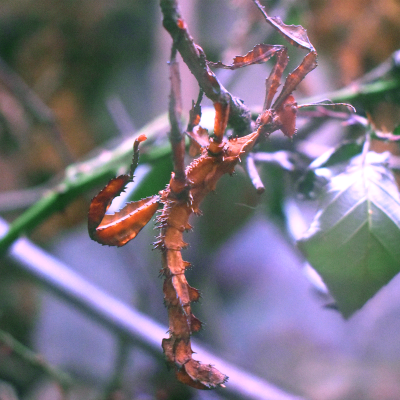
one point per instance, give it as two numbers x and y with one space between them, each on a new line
274 79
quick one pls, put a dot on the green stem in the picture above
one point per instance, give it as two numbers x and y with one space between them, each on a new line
124 320
124 345
35 360
81 177
357 92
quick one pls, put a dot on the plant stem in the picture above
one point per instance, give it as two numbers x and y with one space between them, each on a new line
195 59
35 106
80 178
35 360
358 92
127 322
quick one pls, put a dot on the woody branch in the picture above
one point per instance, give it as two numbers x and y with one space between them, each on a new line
195 59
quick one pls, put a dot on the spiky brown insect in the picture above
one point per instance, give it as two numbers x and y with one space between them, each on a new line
188 186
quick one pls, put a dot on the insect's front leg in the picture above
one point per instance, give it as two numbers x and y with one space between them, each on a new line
283 111
294 78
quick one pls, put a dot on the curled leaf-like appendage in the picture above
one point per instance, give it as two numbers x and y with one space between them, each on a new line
119 228
296 35
260 54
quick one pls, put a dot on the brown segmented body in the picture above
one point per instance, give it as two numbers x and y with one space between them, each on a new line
188 187
203 175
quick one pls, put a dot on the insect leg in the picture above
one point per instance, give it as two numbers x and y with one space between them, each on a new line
176 136
220 124
294 78
274 79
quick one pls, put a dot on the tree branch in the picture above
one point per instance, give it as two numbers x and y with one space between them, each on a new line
194 57
81 177
127 322
35 360
35 106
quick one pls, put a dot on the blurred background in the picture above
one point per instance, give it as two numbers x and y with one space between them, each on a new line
80 76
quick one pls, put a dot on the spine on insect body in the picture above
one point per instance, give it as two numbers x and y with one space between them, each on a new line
202 176
178 296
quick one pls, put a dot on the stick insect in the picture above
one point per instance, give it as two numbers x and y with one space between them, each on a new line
189 185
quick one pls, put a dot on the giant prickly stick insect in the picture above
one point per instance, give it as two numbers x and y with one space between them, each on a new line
188 187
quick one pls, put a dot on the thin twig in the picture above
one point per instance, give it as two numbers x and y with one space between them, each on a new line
358 92
195 59
125 320
176 136
120 116
35 106
120 364
81 177
13 200
252 172
35 360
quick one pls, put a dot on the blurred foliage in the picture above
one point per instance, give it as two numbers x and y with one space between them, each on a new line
339 32
71 44
67 51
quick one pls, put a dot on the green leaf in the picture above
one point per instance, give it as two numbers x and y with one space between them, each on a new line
336 155
316 176
396 130
353 242
238 198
